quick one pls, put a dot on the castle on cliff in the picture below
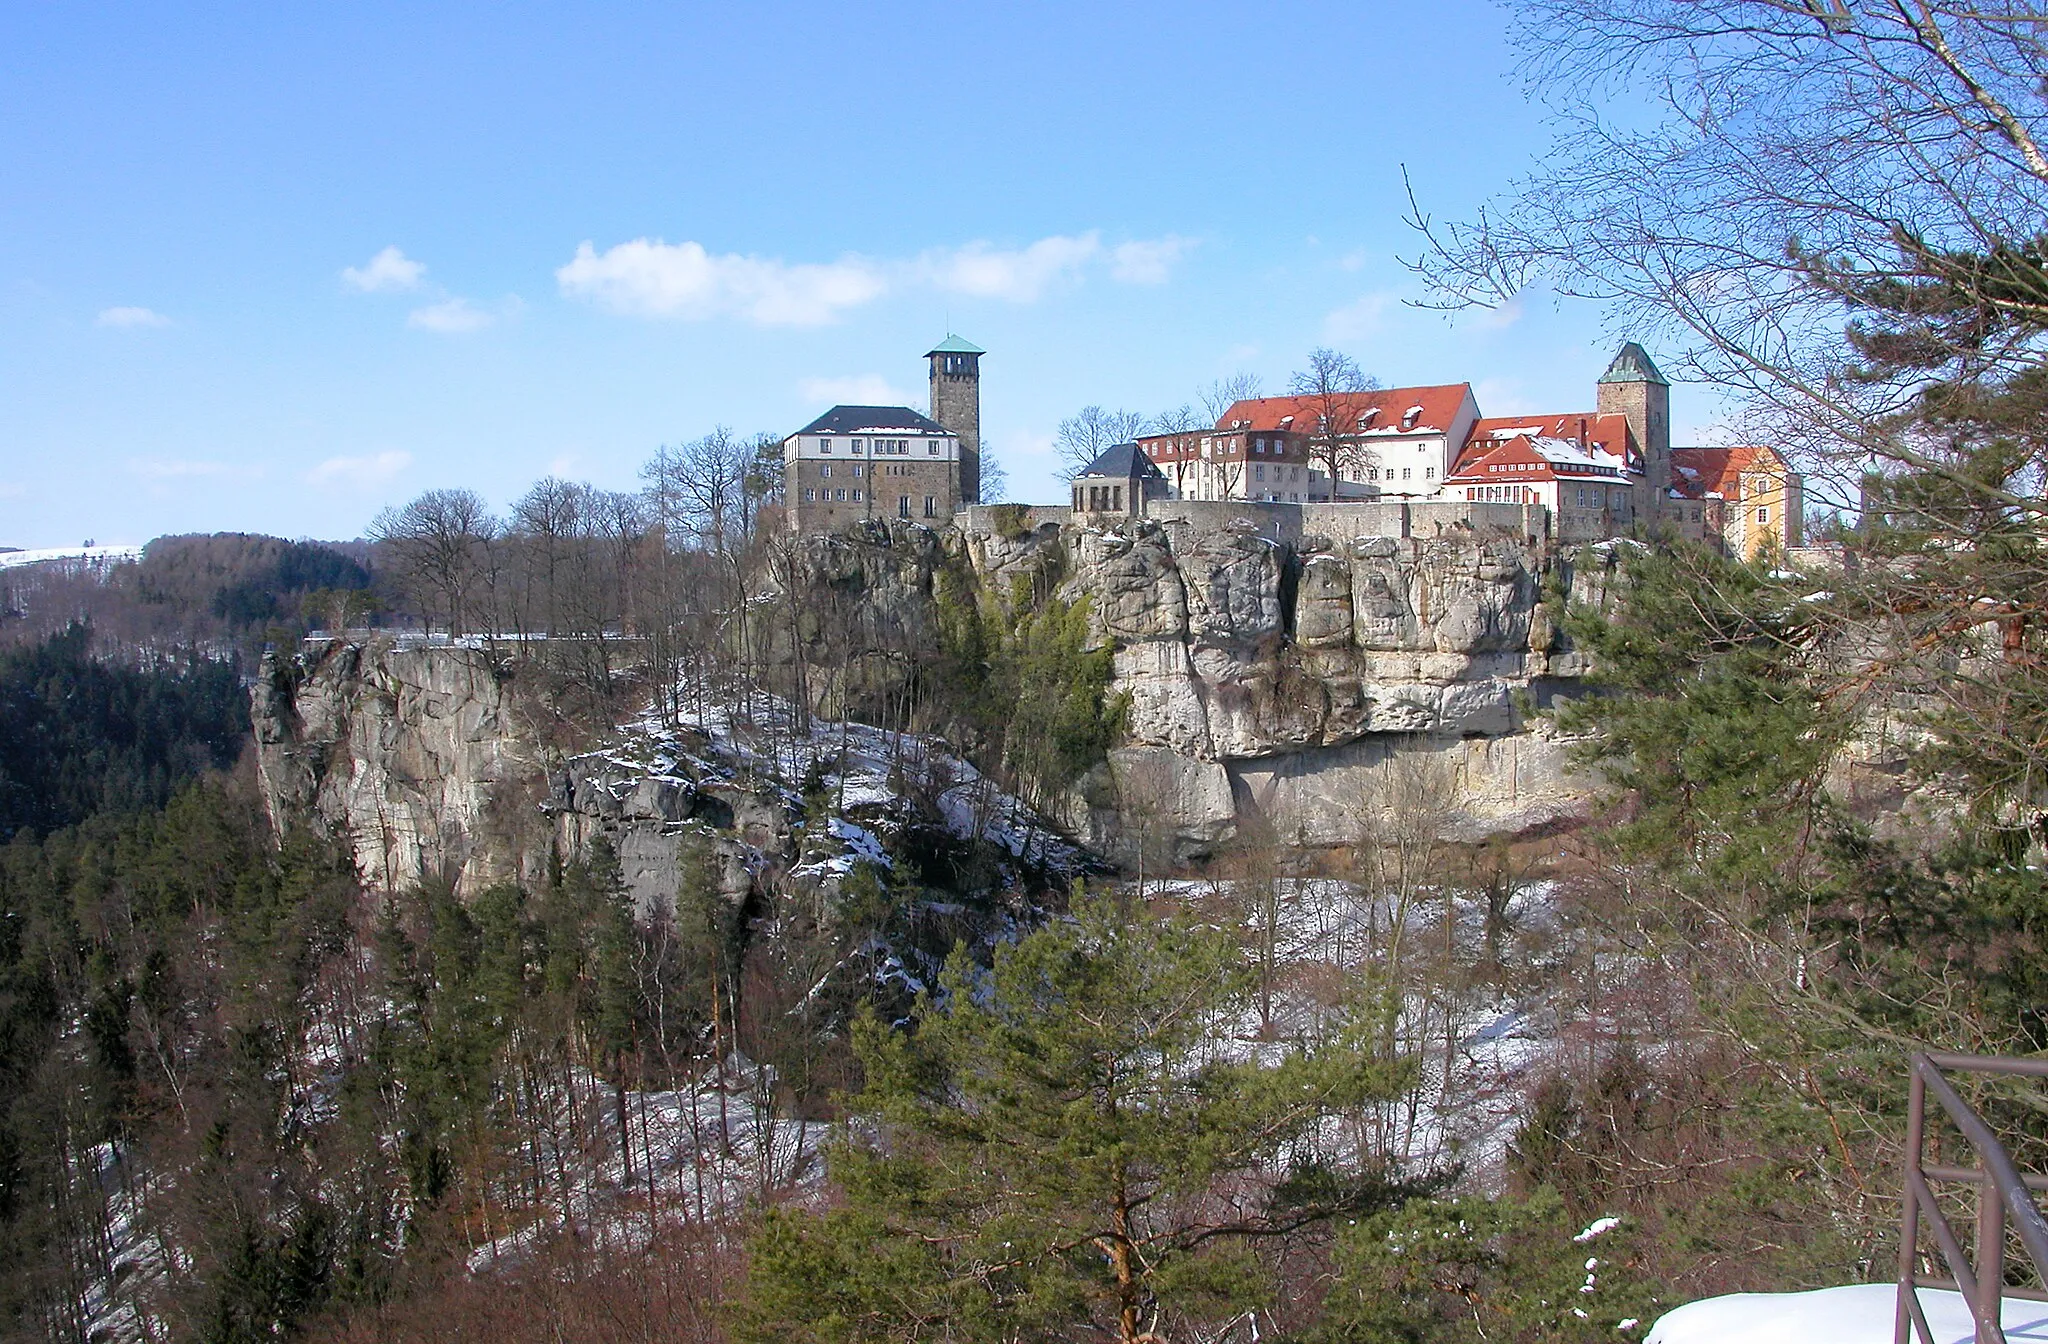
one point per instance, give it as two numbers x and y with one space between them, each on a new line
859 462
1384 459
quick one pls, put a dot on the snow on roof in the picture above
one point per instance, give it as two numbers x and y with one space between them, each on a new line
1539 457
1716 473
1608 431
872 420
1438 406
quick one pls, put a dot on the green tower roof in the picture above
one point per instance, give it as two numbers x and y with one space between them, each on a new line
953 345
1632 364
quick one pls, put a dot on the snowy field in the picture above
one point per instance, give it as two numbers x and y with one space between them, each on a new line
87 556
1861 1313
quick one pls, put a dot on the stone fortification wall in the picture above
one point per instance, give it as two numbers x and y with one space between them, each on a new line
990 519
1198 519
1425 518
1288 523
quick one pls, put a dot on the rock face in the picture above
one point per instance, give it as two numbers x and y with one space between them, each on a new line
435 763
430 763
1269 681
1276 685
413 753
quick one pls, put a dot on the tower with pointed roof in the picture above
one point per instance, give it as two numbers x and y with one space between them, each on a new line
956 404
1633 388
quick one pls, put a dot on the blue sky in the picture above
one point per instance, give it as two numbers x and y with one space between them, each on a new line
271 269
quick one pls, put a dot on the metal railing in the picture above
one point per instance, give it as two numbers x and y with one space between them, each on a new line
2004 1200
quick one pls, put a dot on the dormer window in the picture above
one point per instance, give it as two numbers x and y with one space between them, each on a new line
1367 418
1410 416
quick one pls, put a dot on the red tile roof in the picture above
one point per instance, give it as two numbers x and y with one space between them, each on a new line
1699 472
1608 432
1439 409
1526 458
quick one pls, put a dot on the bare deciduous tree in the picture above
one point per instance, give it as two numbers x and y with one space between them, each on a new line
1220 395
1793 132
1082 438
699 488
1334 388
437 544
545 522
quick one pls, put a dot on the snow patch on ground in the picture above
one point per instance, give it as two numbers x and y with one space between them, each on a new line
703 1155
869 776
1862 1313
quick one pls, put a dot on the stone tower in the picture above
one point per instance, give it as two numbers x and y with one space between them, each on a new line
1632 387
956 404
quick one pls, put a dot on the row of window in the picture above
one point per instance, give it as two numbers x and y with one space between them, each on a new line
1593 497
837 495
886 468
1763 515
883 447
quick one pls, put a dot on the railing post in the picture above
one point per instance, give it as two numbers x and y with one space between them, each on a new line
1990 1262
1909 1230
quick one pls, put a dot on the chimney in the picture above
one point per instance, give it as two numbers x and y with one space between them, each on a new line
1582 433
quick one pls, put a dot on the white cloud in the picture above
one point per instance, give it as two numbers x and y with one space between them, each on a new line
454 317
859 389
1020 275
1495 319
162 469
650 278
1148 262
360 472
132 317
1356 321
389 269
1502 396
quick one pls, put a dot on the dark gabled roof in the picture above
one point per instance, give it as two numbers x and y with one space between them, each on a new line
1123 462
862 419
953 345
1632 364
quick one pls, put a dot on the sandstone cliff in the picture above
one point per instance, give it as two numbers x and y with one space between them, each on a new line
437 762
1277 685
1275 681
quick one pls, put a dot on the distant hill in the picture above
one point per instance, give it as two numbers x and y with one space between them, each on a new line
229 591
